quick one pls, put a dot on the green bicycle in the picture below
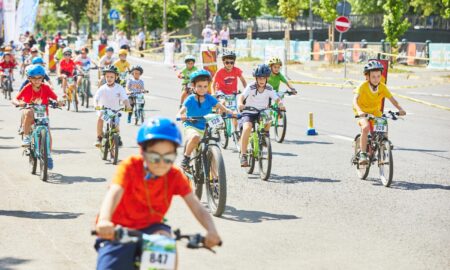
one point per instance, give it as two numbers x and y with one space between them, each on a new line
111 138
259 147
279 122
228 131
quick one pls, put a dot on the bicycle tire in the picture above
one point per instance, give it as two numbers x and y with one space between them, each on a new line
69 97
114 149
43 159
223 134
216 189
265 153
251 157
236 139
198 176
362 171
105 148
280 133
32 158
87 92
142 115
136 115
75 100
385 152
10 90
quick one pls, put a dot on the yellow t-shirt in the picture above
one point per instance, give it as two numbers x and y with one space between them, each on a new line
369 101
122 66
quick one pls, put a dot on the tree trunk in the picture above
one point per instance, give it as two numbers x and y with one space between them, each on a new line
207 13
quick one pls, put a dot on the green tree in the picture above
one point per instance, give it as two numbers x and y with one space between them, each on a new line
248 9
75 9
431 7
394 23
227 8
326 9
271 7
366 6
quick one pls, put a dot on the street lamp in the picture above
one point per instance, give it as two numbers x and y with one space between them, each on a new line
310 21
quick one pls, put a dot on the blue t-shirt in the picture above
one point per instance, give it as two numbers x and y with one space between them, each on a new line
196 109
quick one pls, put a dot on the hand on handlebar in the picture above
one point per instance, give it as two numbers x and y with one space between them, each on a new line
105 229
212 239
401 113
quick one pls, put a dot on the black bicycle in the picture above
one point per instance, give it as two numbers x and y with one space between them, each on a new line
379 148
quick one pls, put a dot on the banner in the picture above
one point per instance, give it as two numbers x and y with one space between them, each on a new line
9 19
169 51
209 58
26 16
1 19
439 56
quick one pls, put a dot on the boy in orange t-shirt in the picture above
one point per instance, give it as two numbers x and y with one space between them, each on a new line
141 193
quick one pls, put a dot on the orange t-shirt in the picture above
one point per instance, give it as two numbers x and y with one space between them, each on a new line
139 209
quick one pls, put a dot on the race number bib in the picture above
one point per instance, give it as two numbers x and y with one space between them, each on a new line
214 120
6 72
230 102
380 125
39 112
158 252
70 80
123 76
140 99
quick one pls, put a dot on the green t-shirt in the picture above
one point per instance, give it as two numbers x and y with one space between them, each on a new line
186 73
275 79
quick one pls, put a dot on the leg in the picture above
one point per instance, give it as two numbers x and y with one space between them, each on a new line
365 128
246 130
28 120
193 138
99 127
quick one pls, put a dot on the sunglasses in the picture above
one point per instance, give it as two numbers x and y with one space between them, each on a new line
153 157
37 78
67 54
229 62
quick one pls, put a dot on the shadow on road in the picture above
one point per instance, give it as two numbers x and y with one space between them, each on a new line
86 112
9 263
39 214
60 152
284 154
56 178
286 179
8 147
249 216
304 142
63 128
420 150
6 138
403 185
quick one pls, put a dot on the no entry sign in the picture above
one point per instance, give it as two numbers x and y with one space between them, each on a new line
342 24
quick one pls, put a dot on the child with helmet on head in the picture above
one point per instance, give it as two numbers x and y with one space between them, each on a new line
7 65
134 86
38 61
225 79
83 62
184 74
141 193
106 60
35 92
122 65
276 77
66 68
258 95
368 99
198 104
110 95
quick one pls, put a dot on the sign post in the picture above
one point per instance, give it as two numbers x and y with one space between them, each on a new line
342 25
114 15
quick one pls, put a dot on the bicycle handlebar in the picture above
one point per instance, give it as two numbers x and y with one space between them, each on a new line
195 118
390 114
51 104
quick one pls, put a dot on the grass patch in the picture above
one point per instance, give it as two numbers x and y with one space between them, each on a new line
399 70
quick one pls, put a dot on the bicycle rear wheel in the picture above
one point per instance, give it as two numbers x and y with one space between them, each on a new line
114 148
198 176
43 160
32 158
69 97
216 182
361 170
10 90
251 156
87 91
265 158
75 100
280 126
385 162
141 110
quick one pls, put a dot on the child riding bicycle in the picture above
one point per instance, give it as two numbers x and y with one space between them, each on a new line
368 99
134 86
184 74
141 194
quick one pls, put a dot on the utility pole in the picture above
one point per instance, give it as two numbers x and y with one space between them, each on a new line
100 17
310 21
165 17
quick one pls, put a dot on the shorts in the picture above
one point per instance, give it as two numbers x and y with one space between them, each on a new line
190 132
114 255
249 117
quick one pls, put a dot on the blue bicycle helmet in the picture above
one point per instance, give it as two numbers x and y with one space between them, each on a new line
199 73
35 70
262 70
159 128
37 60
189 58
110 49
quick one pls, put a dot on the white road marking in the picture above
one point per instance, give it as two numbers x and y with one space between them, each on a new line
340 137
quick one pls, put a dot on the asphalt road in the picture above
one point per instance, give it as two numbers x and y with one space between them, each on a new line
313 213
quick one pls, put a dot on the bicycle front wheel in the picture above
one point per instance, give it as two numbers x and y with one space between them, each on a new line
385 162
280 126
265 158
75 100
32 159
43 160
223 133
251 157
105 148
114 148
87 92
216 182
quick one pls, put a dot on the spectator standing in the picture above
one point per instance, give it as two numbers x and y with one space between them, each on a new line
141 41
207 34
225 36
123 41
103 38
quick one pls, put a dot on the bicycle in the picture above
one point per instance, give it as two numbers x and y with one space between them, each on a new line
85 88
72 93
111 138
207 165
39 148
279 122
7 83
379 149
123 78
156 251
259 147
228 129
138 100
